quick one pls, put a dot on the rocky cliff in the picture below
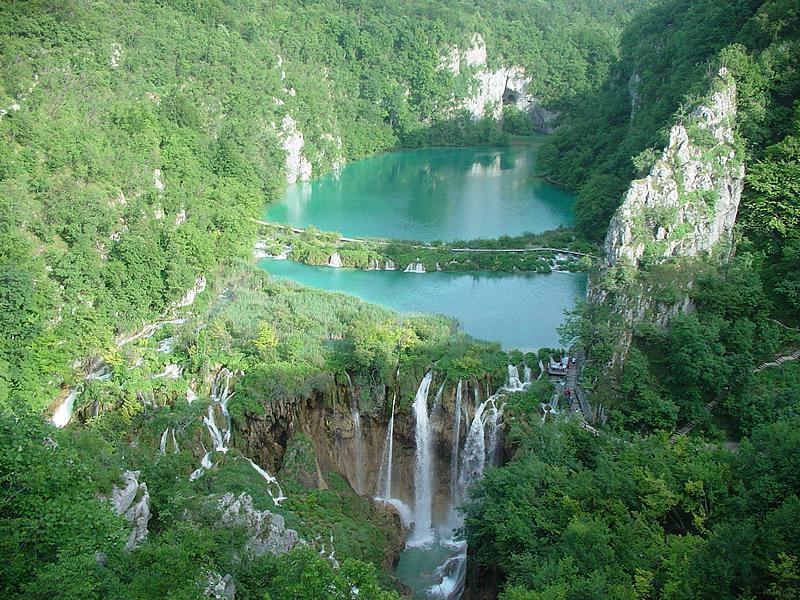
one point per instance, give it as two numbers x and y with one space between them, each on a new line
491 89
687 204
676 220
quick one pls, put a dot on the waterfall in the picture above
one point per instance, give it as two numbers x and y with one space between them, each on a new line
389 265
513 378
358 435
455 496
385 477
495 431
423 472
162 447
335 261
415 267
474 454
64 412
527 377
213 430
205 463
175 443
271 481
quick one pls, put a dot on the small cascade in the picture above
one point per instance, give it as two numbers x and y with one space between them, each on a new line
423 471
162 447
513 378
64 412
335 261
385 476
220 395
205 464
389 265
166 345
437 400
415 267
175 443
214 432
541 371
455 496
271 482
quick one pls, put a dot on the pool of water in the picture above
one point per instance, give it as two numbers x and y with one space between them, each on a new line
518 310
431 194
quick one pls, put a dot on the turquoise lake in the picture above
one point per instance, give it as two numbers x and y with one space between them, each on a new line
431 194
519 311
442 193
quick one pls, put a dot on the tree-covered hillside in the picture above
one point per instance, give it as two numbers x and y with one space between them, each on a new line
141 137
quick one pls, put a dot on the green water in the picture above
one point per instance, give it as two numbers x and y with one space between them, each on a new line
519 311
431 194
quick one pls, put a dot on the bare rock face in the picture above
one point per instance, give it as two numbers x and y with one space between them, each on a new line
493 89
683 212
298 167
219 587
132 501
687 205
266 531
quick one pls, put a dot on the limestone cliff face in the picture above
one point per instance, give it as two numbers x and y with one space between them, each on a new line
673 221
492 89
687 205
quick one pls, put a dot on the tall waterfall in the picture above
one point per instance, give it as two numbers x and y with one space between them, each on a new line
455 496
474 453
385 476
358 435
423 471
527 376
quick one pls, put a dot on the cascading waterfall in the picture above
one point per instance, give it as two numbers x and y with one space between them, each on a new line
271 482
385 477
162 447
454 490
513 377
423 471
527 375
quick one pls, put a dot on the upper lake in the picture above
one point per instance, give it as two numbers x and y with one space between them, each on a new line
430 194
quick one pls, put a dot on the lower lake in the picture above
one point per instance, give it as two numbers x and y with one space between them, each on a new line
518 310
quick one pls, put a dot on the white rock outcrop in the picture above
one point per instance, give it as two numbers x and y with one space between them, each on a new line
189 297
298 167
132 501
266 531
687 205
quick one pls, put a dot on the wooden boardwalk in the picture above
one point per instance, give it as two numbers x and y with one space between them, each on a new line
687 427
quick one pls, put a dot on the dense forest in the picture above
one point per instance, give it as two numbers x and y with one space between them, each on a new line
141 141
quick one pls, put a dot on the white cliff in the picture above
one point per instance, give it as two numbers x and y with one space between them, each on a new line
687 205
132 501
298 167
